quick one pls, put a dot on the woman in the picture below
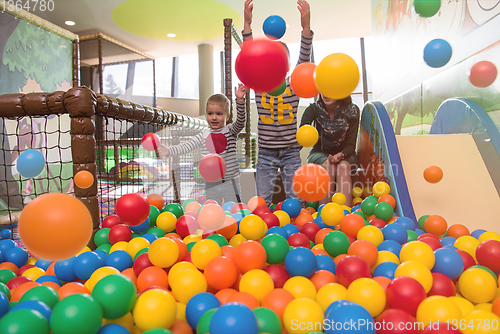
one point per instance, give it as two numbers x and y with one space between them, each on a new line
337 122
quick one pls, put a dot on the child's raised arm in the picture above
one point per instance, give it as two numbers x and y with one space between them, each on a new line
305 16
240 92
247 25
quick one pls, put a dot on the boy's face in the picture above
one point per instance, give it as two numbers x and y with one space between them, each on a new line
216 116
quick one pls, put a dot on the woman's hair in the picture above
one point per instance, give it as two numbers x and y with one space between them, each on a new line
221 100
343 103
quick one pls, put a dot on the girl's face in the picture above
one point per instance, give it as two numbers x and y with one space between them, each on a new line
328 101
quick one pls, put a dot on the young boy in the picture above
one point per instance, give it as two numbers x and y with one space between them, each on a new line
277 125
217 110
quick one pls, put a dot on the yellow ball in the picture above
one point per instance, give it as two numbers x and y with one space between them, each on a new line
329 293
163 252
236 240
356 200
283 217
438 308
463 304
166 221
300 314
85 249
120 245
418 251
314 215
468 244
307 135
252 227
257 283
136 245
319 246
482 322
99 274
357 192
371 233
336 76
417 271
489 236
192 238
177 268
155 308
300 287
34 273
477 285
204 251
367 191
188 283
332 214
367 293
181 311
339 198
31 260
381 188
484 306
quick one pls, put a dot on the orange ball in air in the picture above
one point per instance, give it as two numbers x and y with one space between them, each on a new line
84 179
433 174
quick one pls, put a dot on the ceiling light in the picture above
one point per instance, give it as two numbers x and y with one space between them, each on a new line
171 35
69 23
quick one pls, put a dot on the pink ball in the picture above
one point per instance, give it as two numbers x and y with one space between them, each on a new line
212 167
150 141
482 74
237 207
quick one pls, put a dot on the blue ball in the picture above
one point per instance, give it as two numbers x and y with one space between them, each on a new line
406 222
476 233
325 262
448 262
48 278
346 313
448 241
16 255
4 304
386 269
149 237
437 53
7 244
290 229
228 205
5 233
274 27
419 231
320 222
198 305
142 227
300 261
102 254
277 230
44 264
34 305
395 232
86 263
30 163
321 207
391 246
113 329
120 260
291 206
64 269
232 318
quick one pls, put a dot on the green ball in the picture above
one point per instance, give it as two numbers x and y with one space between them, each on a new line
245 212
203 326
359 213
384 211
190 245
427 8
154 212
272 207
421 222
142 251
79 311
105 247
101 236
12 304
156 231
175 208
279 90
368 205
42 293
24 321
412 235
5 290
6 275
157 331
186 202
336 243
268 320
314 205
116 294
276 248
218 238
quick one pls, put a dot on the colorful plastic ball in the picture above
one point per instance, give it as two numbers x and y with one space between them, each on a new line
325 262
343 312
372 234
427 8
154 308
34 305
5 233
368 205
120 260
276 247
231 318
381 188
133 208
76 311
45 294
203 326
16 255
258 59
433 174
110 220
299 240
307 135
437 53
351 268
198 305
300 287
257 283
212 167
482 74
336 76
157 201
405 293
302 311
396 321
290 229
83 179
113 329
86 263
484 322
277 300
385 269
477 285
163 252
244 298
329 293
406 222
367 293
252 227
311 182
395 232
268 320
254 203
186 225
278 274
278 90
120 232
141 228
211 217
250 255
44 228
417 271
300 261
364 249
442 285
24 321
468 244
187 283
438 309
310 230
150 141
332 214
351 224
116 294
448 262
63 269
274 27
303 85
383 211
336 243
204 251
476 233
487 254
220 273
418 251
30 163
391 246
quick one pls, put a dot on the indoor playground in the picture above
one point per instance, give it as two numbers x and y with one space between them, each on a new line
105 229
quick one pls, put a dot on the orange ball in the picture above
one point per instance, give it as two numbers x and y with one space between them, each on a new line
319 251
156 200
303 218
338 258
277 300
255 202
382 280
220 273
320 236
229 228
52 285
84 179
436 225
322 277
18 292
72 288
351 224
182 248
244 298
10 266
180 327
433 174
364 249
250 255
55 226
388 199
129 272
229 252
224 294
457 231
311 182
50 269
302 81
152 276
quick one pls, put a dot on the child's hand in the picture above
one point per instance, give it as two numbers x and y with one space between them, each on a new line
163 151
240 92
248 15
305 16
335 159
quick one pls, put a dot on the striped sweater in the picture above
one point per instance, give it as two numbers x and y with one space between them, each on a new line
229 153
277 124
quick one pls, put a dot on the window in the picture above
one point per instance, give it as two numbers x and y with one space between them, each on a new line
115 79
218 73
143 79
188 77
163 76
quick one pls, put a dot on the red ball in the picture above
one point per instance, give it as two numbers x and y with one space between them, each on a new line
488 253
405 293
212 167
350 268
270 219
467 258
216 143
278 274
261 210
141 263
150 141
396 321
17 281
425 235
133 209
22 269
442 285
120 232
482 74
299 240
433 243
110 221
186 225
310 230
440 327
262 64
380 223
237 207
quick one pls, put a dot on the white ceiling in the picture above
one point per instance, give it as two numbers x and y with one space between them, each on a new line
330 19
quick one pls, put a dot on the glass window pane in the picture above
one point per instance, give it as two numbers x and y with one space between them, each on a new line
163 76
143 79
188 77
217 72
115 79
